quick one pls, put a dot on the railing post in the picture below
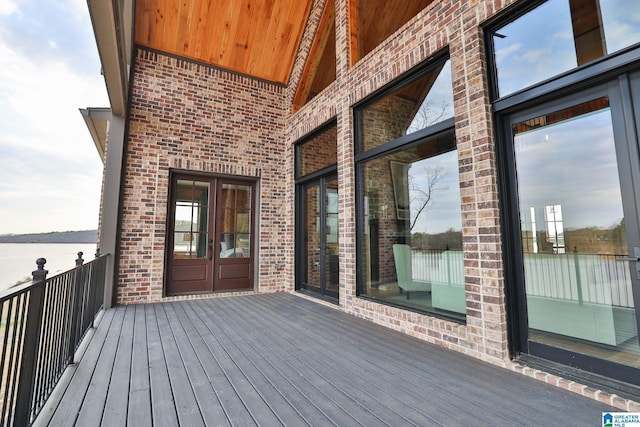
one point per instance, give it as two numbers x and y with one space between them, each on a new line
576 260
79 260
95 273
76 315
30 348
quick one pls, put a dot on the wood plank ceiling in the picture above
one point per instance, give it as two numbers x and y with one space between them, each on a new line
259 38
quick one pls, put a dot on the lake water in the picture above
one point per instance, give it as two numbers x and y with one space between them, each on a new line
18 260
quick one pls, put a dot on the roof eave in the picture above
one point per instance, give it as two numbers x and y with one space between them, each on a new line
97 121
112 23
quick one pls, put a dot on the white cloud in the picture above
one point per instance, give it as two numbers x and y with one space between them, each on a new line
8 7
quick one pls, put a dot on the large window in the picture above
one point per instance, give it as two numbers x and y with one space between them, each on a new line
410 228
560 35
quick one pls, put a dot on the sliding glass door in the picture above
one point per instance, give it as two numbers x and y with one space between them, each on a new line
576 173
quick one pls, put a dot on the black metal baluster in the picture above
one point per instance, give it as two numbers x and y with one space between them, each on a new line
30 346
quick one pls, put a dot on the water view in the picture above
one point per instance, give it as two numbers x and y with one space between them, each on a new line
18 260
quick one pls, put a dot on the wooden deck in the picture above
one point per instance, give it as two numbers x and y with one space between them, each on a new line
283 360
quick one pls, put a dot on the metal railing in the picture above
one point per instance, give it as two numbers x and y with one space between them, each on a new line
42 324
438 265
584 278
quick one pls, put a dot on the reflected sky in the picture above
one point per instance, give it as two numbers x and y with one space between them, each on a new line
437 105
572 164
443 212
535 47
540 44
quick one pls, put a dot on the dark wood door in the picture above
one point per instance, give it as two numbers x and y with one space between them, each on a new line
210 245
234 237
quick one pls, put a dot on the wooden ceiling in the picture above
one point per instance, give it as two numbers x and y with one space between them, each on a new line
255 37
320 69
261 38
375 20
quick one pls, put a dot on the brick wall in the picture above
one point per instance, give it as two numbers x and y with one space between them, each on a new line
443 24
194 118
191 117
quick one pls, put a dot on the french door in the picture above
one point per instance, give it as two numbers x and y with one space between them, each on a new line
211 241
575 204
318 237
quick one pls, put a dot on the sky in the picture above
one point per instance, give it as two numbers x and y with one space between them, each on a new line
443 212
50 170
540 44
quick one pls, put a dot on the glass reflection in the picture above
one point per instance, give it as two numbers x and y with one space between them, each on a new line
312 238
572 223
560 35
319 152
191 219
331 231
413 228
421 103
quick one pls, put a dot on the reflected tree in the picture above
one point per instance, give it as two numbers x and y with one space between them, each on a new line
422 195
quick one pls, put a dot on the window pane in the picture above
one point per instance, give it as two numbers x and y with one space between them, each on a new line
243 197
318 152
413 228
227 245
191 219
199 245
559 35
242 246
415 106
438 104
621 21
534 47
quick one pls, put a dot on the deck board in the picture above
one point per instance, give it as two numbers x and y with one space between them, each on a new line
423 378
336 388
115 409
139 405
231 362
278 359
92 408
208 403
183 394
162 407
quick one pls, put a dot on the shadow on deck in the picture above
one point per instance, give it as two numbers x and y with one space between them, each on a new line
283 360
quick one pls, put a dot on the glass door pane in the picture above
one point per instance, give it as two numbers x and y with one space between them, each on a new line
318 235
233 261
191 219
331 232
579 288
235 221
311 233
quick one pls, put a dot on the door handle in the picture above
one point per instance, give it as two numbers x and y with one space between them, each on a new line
210 249
636 253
